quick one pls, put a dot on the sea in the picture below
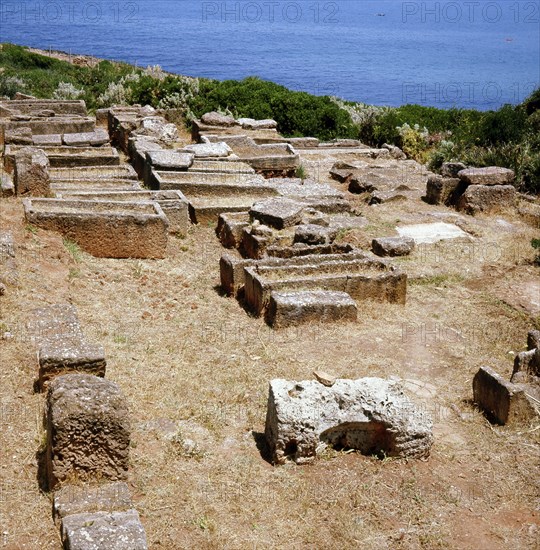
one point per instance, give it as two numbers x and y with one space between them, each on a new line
473 54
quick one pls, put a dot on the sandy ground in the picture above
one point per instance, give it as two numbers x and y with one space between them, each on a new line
195 370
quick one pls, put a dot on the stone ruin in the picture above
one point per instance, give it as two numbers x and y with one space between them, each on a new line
287 267
472 190
516 401
370 415
88 434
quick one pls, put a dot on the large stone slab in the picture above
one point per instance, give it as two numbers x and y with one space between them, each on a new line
278 212
105 229
99 136
392 246
487 198
492 175
370 415
230 227
428 233
104 531
85 498
169 160
64 156
62 346
320 306
206 150
31 175
88 430
94 173
505 402
57 106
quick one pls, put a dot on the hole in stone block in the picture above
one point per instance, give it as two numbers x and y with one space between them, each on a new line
370 438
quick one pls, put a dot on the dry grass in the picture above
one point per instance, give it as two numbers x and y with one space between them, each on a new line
195 369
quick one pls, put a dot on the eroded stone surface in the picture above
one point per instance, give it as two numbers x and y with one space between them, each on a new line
492 175
205 150
294 308
79 499
487 198
104 531
31 175
278 212
88 430
431 232
371 415
392 246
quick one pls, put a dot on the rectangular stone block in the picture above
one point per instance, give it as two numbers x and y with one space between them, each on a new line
104 531
229 228
48 140
53 125
105 229
506 403
317 306
35 106
371 415
444 191
98 137
85 499
88 430
173 203
362 279
69 354
94 173
278 212
31 175
222 166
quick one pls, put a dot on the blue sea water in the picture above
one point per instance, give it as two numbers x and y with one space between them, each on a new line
479 54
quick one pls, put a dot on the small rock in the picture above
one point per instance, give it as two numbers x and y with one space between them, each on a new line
324 378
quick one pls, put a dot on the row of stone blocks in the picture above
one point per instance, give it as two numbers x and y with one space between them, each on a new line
88 437
515 401
472 190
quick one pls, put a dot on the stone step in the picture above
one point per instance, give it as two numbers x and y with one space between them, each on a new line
207 209
222 166
95 185
179 180
65 157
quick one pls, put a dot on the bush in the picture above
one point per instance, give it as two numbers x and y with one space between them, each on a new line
66 90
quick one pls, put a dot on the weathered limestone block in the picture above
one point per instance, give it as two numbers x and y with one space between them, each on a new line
205 150
159 128
62 346
105 229
230 227
342 171
487 198
63 355
85 499
505 402
531 214
360 182
278 212
19 136
216 119
392 246
527 367
361 278
104 531
371 415
294 308
395 152
452 169
492 175
9 274
252 124
48 140
88 430
165 160
303 142
314 234
445 191
7 189
31 175
99 136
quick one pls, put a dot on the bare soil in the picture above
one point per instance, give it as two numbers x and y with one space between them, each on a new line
195 370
